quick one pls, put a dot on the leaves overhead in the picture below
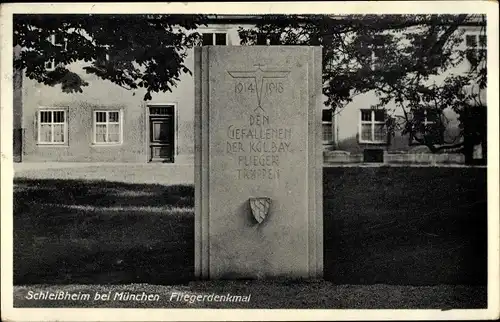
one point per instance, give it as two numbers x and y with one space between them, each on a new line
132 51
406 60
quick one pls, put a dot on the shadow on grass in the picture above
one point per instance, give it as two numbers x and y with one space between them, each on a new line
407 226
76 231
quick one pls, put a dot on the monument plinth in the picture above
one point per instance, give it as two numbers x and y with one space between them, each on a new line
258 162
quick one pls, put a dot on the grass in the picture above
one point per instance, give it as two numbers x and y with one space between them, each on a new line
69 231
406 226
416 226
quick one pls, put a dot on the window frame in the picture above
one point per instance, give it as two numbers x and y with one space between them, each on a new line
375 62
51 65
426 122
330 123
214 37
106 58
272 39
39 125
479 46
107 123
372 123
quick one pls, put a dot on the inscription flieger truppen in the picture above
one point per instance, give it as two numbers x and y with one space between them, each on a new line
259 148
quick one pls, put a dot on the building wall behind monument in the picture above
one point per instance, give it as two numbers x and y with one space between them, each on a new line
104 95
348 119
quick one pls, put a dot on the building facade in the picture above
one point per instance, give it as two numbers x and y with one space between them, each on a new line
107 123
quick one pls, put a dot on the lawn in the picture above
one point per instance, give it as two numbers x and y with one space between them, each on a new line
399 225
70 231
384 225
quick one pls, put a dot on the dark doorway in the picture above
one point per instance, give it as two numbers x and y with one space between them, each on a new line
161 133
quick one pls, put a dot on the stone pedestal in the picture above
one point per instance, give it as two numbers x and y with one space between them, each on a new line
258 162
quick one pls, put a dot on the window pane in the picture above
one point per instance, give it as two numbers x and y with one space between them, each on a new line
378 51
58 40
50 64
45 117
45 133
113 116
366 132
100 133
113 133
471 55
327 115
58 116
481 54
220 39
161 110
100 117
482 40
327 132
380 132
208 39
160 131
366 115
471 40
380 115
58 133
329 64
114 138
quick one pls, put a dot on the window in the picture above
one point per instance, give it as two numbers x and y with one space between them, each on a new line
55 41
372 127
265 39
209 39
52 126
371 51
476 47
329 64
327 124
103 55
161 110
426 116
107 127
427 122
377 53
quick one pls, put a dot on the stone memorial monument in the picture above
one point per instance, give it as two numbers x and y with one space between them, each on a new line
258 162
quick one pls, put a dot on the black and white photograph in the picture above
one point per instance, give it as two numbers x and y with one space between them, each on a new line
208 156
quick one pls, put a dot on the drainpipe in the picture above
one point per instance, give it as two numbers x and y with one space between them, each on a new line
17 113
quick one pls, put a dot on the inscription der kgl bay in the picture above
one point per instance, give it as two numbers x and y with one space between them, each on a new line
259 148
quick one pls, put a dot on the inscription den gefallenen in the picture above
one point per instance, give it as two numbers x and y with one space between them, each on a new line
259 148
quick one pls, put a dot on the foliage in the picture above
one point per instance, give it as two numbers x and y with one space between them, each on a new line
403 59
132 51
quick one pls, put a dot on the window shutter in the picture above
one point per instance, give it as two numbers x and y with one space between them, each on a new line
35 126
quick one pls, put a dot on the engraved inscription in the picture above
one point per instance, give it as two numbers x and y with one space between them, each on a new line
259 148
256 83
